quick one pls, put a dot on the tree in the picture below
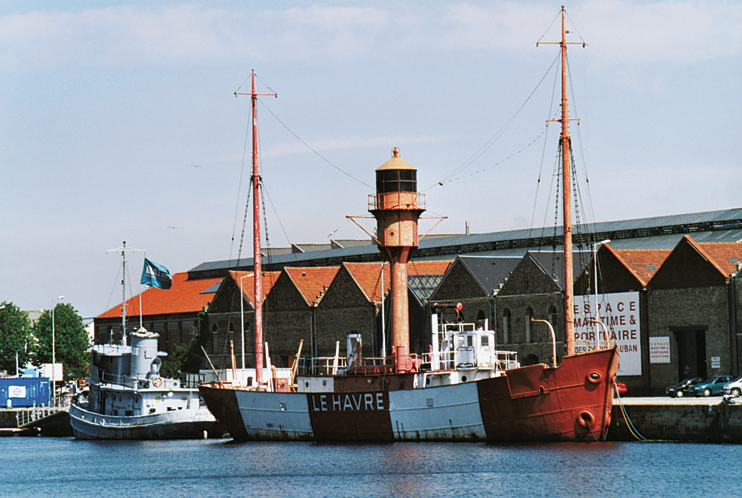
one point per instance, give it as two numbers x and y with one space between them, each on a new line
188 358
15 336
70 338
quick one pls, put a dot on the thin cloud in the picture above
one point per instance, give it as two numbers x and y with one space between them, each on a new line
673 31
192 35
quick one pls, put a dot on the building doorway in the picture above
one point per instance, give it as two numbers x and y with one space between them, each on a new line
691 353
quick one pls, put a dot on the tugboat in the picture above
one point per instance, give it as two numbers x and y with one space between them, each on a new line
129 399
462 390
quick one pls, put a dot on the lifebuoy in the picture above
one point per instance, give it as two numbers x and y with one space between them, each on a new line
157 381
586 418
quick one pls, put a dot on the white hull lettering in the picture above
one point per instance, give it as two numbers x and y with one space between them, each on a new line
347 402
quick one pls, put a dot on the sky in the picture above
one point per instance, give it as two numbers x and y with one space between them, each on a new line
120 123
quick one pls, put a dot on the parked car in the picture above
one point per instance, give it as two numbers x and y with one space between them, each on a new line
734 388
710 387
679 390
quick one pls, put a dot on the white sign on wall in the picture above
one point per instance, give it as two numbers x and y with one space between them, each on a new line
620 313
659 349
16 391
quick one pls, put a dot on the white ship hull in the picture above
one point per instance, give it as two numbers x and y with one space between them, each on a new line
178 424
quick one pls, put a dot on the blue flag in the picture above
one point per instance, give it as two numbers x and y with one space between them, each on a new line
156 275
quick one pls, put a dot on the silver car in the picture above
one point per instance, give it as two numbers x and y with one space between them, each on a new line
734 388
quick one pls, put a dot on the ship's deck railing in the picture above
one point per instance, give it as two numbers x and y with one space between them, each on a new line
334 365
140 381
37 412
500 360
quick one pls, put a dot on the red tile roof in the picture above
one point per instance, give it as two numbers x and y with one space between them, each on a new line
643 263
723 255
248 283
368 275
185 296
312 281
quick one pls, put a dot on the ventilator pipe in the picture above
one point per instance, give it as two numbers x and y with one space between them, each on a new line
553 341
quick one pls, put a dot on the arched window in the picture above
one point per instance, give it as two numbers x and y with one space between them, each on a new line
529 315
480 318
506 324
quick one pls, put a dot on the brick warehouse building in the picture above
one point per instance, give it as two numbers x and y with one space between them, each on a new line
694 306
654 233
319 305
623 276
172 313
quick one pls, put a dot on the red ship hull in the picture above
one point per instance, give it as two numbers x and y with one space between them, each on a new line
571 402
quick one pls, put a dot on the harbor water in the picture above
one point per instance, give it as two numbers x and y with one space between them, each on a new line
47 466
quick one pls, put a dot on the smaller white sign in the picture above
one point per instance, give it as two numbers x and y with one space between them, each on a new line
716 362
16 391
659 350
56 374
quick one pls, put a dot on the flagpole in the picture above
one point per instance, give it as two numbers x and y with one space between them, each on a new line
123 250
123 300
141 325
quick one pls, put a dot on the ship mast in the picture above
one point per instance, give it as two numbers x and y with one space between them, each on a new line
565 141
257 267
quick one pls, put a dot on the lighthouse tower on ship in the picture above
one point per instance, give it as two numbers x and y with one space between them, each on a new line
397 207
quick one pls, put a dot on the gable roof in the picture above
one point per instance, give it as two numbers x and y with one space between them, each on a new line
523 279
312 282
422 286
692 264
248 282
184 296
490 271
725 256
642 263
368 276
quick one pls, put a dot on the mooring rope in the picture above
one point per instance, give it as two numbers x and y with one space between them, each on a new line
626 418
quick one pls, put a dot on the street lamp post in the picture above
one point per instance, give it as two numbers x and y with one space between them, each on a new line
242 318
54 353
595 275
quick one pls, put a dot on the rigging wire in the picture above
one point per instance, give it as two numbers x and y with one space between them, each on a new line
489 143
239 193
244 223
543 154
265 225
554 176
511 156
574 28
548 28
266 84
275 211
313 150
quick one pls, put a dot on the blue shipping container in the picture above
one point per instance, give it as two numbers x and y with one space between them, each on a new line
24 391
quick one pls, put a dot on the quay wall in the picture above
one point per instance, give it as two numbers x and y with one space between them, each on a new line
705 420
8 418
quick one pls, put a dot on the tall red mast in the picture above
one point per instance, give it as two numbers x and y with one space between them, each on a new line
257 267
566 198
